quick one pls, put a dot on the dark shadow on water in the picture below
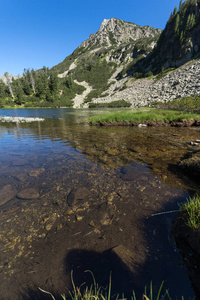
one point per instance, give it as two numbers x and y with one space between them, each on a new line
191 180
162 264
90 265
36 294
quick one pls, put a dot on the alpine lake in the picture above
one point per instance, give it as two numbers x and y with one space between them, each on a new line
77 198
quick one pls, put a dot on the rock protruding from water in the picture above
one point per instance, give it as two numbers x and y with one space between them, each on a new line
20 119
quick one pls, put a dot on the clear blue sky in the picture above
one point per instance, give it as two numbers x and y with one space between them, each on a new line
37 33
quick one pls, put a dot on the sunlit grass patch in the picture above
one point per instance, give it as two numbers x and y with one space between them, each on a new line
191 210
145 116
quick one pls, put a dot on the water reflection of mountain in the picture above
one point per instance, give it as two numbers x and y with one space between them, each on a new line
113 147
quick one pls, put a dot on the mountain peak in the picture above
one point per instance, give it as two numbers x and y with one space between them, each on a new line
104 23
109 24
115 32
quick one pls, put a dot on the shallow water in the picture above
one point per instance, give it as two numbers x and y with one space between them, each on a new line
70 192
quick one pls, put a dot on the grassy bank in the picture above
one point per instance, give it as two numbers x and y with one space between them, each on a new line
149 115
191 212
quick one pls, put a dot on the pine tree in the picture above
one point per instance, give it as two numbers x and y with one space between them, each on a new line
2 89
53 81
19 93
181 37
176 26
25 82
175 11
190 22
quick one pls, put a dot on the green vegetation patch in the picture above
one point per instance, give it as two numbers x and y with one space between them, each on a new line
41 88
163 73
191 104
191 212
165 116
118 103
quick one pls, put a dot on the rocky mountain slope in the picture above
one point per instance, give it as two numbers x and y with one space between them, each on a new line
100 58
182 82
121 61
118 59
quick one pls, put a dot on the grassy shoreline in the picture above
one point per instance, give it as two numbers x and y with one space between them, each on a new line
149 117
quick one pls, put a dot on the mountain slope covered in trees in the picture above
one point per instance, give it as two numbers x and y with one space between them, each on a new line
179 41
108 60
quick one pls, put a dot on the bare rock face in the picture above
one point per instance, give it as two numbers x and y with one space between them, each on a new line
115 31
10 76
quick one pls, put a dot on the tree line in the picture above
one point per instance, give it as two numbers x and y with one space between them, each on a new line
38 88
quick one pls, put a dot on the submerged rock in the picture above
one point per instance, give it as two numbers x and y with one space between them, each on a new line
76 195
124 254
7 193
36 172
19 162
50 222
29 193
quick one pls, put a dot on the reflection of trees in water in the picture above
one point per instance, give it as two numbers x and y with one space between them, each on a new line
113 147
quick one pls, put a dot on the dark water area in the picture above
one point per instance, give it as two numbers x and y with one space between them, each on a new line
75 197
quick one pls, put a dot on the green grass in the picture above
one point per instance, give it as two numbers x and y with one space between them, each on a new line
163 73
99 293
190 103
145 116
191 212
118 103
